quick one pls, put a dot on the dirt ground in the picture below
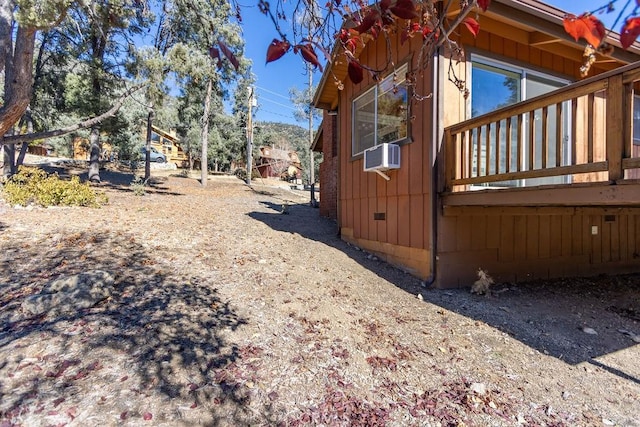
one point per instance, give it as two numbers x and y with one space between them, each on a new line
227 311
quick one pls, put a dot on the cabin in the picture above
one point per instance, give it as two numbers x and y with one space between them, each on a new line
278 163
82 150
168 143
531 174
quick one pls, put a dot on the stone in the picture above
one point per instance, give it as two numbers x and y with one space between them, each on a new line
69 294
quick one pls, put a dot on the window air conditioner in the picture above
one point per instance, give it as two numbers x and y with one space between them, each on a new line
382 157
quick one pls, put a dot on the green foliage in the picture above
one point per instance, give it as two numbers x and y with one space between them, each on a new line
39 13
33 185
138 186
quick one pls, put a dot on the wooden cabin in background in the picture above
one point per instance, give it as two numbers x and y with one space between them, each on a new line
168 143
532 175
278 163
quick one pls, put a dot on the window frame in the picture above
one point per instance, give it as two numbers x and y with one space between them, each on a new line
525 72
401 71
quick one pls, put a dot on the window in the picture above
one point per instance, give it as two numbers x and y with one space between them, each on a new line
636 120
381 114
495 85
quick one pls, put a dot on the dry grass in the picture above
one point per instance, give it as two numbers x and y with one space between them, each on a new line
227 312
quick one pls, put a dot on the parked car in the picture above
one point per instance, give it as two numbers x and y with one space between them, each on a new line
156 156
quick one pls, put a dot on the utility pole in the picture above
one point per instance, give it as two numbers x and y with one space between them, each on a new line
250 137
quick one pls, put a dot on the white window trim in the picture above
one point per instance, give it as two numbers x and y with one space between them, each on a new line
401 68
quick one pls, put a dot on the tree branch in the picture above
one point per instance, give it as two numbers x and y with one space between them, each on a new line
16 139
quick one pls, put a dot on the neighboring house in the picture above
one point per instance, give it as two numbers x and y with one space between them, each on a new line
278 163
167 143
82 149
518 178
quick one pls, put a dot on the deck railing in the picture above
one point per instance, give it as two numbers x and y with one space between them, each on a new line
580 133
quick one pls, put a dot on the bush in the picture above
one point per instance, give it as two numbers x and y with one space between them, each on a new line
138 185
242 174
33 185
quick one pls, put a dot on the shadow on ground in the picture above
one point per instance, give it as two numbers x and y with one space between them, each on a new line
110 178
164 330
550 316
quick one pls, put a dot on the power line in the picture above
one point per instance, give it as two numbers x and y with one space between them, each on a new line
290 116
273 93
277 103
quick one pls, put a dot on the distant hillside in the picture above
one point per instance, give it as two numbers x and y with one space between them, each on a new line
269 133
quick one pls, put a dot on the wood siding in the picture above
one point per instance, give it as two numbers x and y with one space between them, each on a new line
524 243
513 243
403 236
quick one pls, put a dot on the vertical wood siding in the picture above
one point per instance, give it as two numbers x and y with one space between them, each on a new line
519 244
513 244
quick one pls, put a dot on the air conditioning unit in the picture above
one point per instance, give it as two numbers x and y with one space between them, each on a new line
382 157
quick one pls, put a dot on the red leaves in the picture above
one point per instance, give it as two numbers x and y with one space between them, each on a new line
630 31
415 28
348 42
276 49
377 362
484 4
368 21
585 26
308 54
355 72
404 9
472 25
230 56
214 53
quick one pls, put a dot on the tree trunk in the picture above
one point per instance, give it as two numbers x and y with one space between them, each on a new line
28 118
21 155
18 77
9 168
205 135
94 157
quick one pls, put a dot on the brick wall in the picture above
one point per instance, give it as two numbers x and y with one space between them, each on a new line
329 168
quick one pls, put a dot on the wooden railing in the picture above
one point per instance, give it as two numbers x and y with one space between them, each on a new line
580 133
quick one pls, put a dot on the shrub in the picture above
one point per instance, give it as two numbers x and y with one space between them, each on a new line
138 186
242 174
33 185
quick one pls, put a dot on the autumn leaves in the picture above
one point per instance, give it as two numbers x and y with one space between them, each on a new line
375 19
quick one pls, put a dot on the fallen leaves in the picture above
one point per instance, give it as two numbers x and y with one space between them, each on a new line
339 408
378 363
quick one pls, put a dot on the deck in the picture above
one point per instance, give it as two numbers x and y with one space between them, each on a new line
571 147
544 188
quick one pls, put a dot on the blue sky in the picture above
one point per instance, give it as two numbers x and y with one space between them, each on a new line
274 80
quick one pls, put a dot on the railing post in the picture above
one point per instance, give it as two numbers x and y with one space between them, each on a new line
615 127
448 162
